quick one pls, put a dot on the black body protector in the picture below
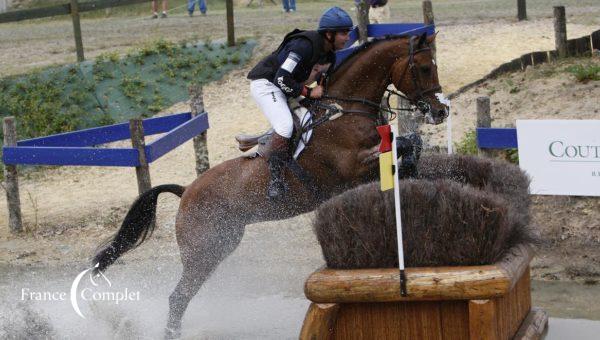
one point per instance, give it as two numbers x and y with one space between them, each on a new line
290 65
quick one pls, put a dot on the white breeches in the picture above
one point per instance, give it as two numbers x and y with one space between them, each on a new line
273 103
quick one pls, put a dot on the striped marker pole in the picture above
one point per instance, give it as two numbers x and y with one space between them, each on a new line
398 213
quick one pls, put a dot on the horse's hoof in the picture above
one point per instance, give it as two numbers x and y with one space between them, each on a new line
171 334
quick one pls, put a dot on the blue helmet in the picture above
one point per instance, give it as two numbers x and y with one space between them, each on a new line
335 19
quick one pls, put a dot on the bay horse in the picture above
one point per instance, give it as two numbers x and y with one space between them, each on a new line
216 207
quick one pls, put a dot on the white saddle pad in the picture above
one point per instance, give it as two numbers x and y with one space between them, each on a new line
305 117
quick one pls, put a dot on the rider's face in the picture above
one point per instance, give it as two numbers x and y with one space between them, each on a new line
341 38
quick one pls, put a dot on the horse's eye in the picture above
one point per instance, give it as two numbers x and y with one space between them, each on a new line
425 69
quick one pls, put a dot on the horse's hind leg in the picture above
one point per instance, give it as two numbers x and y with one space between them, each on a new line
203 247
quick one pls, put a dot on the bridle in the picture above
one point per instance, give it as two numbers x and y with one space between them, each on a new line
418 98
419 94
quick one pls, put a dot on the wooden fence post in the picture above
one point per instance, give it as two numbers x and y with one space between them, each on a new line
521 10
428 19
142 171
200 144
484 120
560 31
362 17
230 26
483 323
77 30
11 179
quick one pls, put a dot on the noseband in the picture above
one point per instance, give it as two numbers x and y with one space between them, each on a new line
419 94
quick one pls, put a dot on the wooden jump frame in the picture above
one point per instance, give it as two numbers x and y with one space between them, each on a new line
473 302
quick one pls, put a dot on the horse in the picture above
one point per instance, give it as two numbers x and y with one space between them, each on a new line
215 208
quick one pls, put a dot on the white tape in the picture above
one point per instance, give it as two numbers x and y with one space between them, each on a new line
290 63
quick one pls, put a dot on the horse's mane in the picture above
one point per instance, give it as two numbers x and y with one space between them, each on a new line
364 47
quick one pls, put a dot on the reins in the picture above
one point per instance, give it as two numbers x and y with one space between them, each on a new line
417 101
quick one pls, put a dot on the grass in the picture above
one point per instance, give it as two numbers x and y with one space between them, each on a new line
468 144
585 73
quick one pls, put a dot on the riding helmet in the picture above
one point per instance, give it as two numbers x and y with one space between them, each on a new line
335 19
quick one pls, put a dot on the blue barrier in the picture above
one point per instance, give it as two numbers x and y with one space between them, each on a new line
382 30
497 138
78 148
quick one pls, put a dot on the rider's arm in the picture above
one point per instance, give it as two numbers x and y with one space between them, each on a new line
295 59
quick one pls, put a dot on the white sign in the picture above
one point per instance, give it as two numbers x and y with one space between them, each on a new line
562 157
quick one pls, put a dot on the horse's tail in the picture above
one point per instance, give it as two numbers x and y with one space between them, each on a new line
137 226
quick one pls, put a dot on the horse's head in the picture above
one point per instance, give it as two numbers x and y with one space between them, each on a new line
416 76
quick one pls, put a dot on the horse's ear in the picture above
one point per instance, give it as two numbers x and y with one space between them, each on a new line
431 38
422 40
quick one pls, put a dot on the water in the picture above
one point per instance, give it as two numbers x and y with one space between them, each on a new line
228 307
257 293
562 329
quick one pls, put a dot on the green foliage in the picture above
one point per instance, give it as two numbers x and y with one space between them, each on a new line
102 71
132 86
512 88
235 59
112 57
468 144
158 102
110 89
38 104
181 62
512 155
585 73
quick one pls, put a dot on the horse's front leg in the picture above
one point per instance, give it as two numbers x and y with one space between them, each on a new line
368 156
359 165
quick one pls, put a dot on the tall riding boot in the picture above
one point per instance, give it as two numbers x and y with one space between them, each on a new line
277 161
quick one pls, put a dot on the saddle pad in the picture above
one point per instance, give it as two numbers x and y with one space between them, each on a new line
305 118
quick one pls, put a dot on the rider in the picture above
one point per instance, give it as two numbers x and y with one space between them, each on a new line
283 73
